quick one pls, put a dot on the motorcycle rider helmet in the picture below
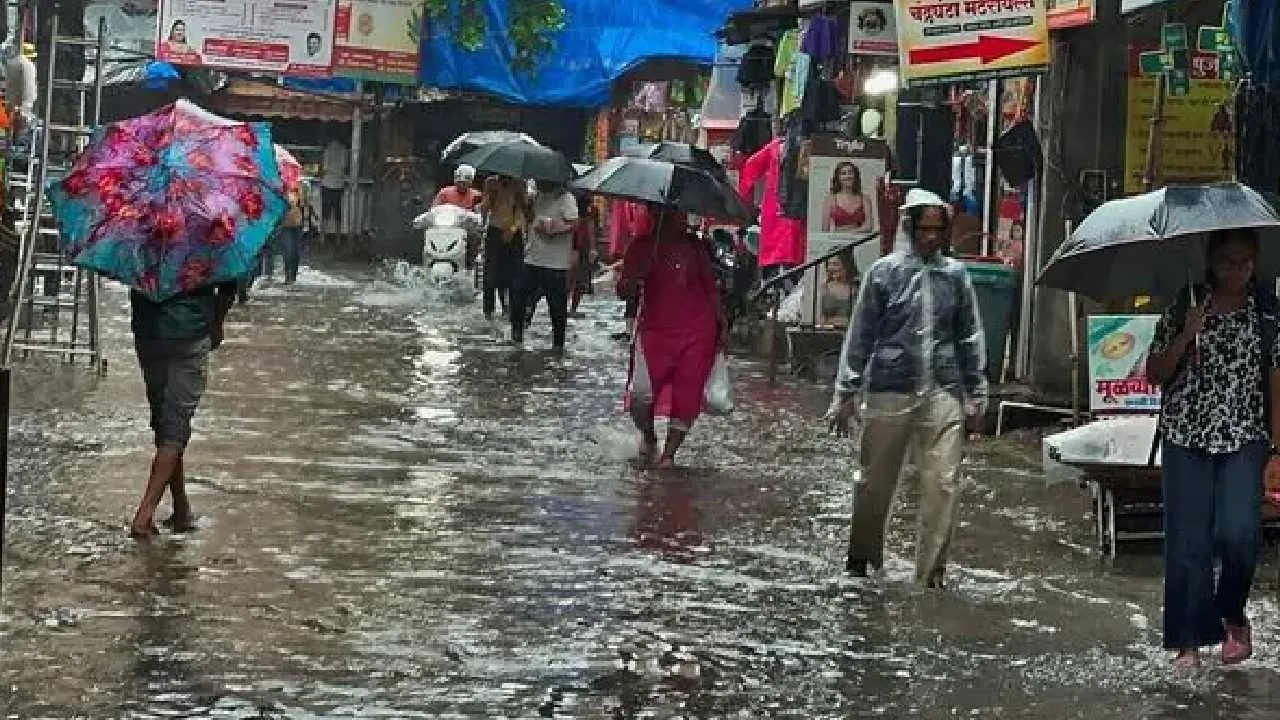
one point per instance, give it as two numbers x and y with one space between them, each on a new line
464 173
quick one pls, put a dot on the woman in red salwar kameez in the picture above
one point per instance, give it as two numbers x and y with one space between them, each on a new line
678 332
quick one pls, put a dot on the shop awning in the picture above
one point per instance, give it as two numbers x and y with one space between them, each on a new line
268 100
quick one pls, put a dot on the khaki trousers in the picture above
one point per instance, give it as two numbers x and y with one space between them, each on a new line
931 428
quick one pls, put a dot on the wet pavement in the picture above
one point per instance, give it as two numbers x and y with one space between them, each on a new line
403 518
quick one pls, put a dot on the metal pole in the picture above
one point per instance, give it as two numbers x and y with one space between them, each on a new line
6 378
353 192
989 181
1030 253
1155 135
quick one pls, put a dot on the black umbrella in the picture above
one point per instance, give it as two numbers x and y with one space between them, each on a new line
520 160
467 142
1154 244
681 154
679 187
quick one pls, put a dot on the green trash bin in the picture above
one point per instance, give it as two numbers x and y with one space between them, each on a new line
996 286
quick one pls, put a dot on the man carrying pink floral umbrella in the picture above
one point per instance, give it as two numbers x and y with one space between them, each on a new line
177 205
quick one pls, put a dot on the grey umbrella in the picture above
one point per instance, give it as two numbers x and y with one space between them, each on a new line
1154 244
679 187
520 160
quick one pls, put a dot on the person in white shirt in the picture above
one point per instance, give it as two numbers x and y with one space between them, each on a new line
20 94
333 180
548 255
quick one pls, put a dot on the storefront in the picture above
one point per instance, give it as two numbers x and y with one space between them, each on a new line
862 100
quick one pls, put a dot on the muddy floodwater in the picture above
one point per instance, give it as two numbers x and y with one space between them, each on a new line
401 517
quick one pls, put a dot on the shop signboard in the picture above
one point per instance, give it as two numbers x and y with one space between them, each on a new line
1071 13
1196 138
872 29
842 177
378 40
1118 346
294 38
944 41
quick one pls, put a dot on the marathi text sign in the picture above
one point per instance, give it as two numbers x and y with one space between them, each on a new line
378 40
1196 143
949 41
1070 13
282 36
1118 346
872 30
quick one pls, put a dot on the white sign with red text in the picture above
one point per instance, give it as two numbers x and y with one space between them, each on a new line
294 37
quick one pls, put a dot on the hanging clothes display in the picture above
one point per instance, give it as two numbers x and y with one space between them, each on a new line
782 239
797 80
755 130
757 66
793 182
822 39
788 46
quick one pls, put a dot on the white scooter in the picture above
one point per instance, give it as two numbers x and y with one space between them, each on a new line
445 229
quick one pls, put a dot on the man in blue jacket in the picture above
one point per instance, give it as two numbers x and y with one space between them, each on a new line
912 370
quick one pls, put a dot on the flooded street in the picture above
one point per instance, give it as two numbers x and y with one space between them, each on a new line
401 517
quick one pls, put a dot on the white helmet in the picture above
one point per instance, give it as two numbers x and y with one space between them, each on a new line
464 173
917 197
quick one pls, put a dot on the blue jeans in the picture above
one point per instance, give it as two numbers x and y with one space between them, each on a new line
1212 512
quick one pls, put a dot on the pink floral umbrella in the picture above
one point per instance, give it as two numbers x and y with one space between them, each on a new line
171 201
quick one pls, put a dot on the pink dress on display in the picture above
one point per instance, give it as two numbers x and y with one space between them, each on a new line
782 239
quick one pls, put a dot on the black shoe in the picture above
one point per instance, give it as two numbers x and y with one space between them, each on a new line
857 567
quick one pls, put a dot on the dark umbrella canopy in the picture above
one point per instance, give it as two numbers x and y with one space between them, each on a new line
520 160
679 187
681 154
1154 244
468 142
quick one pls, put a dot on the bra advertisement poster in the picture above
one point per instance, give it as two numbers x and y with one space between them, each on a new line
842 179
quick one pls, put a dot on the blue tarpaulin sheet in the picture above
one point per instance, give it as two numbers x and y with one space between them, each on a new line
1255 27
602 39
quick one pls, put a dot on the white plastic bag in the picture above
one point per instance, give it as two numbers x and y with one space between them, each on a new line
718 397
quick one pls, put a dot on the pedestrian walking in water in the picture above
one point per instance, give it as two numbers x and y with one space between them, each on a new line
506 212
679 329
548 256
912 369
584 243
173 339
1215 354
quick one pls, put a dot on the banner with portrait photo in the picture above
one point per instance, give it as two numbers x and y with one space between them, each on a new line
842 210
294 38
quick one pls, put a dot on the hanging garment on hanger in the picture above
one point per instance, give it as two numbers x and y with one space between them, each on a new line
794 87
782 239
822 39
788 46
755 130
756 67
793 183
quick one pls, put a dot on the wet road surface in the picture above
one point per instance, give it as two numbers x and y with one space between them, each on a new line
403 518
